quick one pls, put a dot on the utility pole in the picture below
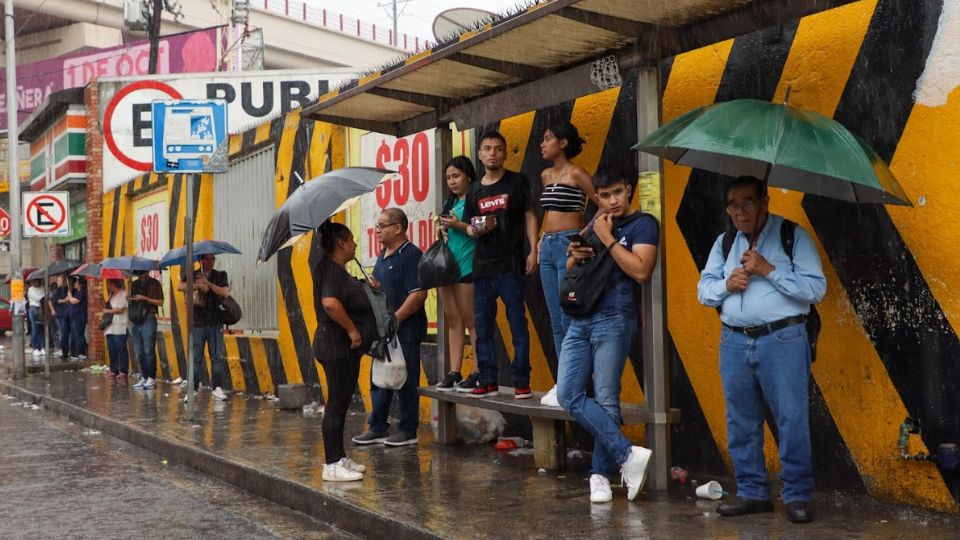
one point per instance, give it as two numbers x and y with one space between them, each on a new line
13 176
394 14
154 34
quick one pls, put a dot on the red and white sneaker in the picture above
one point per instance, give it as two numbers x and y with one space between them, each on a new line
485 391
522 393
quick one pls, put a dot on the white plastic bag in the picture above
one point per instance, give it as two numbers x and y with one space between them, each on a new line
391 372
479 426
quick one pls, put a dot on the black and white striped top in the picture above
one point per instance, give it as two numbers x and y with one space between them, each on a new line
563 198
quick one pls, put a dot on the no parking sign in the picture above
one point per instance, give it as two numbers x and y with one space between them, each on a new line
46 213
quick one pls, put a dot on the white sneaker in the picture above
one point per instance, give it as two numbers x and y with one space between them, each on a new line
550 398
218 393
43 352
149 383
335 472
600 491
352 465
634 470
140 383
37 352
178 380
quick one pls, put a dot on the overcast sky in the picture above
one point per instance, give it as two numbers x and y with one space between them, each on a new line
417 17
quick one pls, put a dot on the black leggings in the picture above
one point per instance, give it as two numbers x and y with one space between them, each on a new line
342 375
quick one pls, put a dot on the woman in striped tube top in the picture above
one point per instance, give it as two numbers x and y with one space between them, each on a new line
566 189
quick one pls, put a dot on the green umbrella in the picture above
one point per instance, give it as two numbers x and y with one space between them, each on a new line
788 147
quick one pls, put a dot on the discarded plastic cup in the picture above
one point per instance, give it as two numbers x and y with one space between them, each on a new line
711 490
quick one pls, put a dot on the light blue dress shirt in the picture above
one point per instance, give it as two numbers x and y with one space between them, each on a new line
787 291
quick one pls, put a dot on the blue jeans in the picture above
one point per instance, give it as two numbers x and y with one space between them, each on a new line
595 350
36 328
213 337
78 339
63 329
117 348
774 368
553 267
144 336
509 287
408 396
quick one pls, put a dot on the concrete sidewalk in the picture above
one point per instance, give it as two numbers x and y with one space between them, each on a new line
425 491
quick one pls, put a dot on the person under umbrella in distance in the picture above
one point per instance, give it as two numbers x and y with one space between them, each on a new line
209 286
77 316
116 332
146 296
58 305
345 324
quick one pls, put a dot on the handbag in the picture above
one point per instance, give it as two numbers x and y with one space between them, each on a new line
107 318
229 311
438 267
390 372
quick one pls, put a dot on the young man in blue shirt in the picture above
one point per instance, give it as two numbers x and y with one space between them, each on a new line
595 347
764 295
395 273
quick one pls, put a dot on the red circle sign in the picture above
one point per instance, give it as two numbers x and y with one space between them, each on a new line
4 223
34 208
108 119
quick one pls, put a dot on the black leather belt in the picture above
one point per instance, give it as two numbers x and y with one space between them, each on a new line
769 328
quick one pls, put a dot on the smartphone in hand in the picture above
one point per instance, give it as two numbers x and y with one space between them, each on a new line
575 237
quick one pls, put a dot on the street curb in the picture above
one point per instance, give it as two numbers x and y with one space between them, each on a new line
288 493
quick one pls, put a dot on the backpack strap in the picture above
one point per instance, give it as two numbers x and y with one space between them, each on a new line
788 231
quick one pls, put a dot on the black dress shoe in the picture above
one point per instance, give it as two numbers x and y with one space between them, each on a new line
741 507
800 512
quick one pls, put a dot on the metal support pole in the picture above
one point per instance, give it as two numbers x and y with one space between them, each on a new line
188 294
446 412
656 365
13 176
43 308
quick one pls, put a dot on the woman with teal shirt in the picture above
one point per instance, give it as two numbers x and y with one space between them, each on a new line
457 299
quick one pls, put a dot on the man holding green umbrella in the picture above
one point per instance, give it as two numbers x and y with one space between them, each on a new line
764 294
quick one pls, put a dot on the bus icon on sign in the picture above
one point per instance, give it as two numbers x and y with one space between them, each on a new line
190 133
187 133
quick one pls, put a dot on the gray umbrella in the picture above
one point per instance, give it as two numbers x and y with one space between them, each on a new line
314 202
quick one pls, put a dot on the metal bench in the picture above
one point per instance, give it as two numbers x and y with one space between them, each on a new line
549 448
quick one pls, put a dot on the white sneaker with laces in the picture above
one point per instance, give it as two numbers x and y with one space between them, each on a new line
550 398
178 380
218 393
352 465
140 383
600 491
634 470
149 383
335 472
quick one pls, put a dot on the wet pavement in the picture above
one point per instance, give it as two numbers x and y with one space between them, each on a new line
431 490
62 480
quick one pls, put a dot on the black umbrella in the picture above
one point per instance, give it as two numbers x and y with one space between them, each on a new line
57 267
314 202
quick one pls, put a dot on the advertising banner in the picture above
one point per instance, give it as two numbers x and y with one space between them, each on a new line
413 189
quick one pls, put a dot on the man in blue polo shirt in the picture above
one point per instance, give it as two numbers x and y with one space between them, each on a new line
764 295
396 275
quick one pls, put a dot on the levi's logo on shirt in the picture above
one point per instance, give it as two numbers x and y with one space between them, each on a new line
492 204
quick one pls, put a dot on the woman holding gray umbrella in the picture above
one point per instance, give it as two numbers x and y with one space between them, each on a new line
344 316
